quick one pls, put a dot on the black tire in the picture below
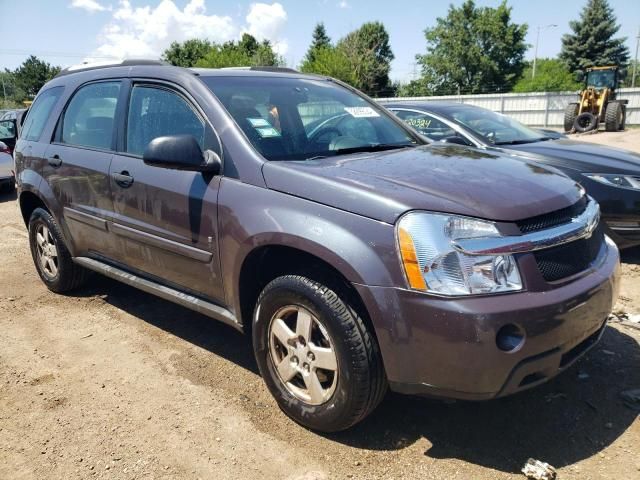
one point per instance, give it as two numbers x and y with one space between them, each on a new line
360 383
623 124
585 122
570 114
68 275
613 117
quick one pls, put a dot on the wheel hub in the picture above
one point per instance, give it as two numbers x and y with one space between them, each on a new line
303 355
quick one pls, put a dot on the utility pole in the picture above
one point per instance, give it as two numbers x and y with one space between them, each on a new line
4 92
635 62
535 52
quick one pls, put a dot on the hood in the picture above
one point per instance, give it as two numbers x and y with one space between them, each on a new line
584 157
440 178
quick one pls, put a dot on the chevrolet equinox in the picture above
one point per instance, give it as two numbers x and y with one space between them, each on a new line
357 256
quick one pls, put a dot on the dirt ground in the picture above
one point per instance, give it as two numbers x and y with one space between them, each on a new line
113 383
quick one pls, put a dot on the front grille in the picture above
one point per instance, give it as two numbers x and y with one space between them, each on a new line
569 259
553 219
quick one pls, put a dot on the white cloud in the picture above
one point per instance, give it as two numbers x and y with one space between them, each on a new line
266 21
88 5
147 30
344 4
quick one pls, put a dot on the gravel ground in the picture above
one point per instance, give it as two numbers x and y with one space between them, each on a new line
113 383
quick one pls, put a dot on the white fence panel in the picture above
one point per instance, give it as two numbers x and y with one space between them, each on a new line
536 109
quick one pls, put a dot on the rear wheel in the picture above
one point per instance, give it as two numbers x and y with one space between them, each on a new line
51 256
585 122
623 125
570 114
318 358
613 117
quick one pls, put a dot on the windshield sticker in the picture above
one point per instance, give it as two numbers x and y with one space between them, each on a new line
267 132
258 122
361 112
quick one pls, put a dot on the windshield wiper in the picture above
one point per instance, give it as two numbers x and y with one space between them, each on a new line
378 147
520 142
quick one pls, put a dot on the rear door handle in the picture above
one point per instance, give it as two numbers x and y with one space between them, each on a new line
55 161
123 179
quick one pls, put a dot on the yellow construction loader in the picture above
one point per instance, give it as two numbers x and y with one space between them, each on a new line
598 103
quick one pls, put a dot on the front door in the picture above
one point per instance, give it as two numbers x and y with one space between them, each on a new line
165 221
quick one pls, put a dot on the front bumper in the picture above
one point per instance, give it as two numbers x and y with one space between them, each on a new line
447 347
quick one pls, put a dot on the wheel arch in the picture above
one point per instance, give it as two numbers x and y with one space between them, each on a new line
267 262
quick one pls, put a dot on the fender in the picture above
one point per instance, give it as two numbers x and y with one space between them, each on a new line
32 182
274 218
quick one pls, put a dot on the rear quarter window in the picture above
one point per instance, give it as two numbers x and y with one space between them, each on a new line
39 113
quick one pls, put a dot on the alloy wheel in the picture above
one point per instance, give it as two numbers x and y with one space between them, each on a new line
303 355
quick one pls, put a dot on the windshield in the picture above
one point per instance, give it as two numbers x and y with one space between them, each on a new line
601 79
494 128
299 119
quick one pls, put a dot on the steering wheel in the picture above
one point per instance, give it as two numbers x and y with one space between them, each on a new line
315 137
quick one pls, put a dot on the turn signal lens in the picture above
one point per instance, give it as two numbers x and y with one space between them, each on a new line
410 260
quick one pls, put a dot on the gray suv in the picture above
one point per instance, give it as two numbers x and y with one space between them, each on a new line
358 257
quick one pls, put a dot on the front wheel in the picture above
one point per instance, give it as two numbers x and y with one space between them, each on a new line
316 355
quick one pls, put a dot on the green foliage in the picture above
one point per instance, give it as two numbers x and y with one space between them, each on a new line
414 88
320 41
331 62
186 54
592 42
370 56
473 50
627 80
552 75
11 96
30 77
247 52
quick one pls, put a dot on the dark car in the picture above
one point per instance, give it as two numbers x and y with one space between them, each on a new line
610 175
358 257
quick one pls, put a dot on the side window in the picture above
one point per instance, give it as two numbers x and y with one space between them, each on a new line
427 125
156 112
39 113
90 116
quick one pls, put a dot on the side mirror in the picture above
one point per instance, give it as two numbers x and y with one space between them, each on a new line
455 140
579 76
181 152
8 131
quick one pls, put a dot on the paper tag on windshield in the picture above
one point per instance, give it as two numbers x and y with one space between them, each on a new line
361 112
258 122
267 132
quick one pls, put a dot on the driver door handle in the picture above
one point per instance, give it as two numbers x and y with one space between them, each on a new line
55 161
123 179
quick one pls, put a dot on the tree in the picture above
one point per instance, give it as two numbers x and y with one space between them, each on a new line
186 54
552 75
370 55
473 50
32 75
331 62
247 52
320 40
592 42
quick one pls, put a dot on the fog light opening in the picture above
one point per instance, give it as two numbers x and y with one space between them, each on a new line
510 338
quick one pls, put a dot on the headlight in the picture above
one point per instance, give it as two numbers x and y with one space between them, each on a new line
432 264
626 181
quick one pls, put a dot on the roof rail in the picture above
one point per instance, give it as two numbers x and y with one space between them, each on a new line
265 68
129 62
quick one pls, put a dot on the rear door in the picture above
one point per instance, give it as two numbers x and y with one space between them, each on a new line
165 220
77 165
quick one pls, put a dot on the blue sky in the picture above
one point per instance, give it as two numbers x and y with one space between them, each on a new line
65 32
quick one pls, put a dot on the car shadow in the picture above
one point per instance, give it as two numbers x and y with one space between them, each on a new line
630 255
200 330
7 197
572 417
